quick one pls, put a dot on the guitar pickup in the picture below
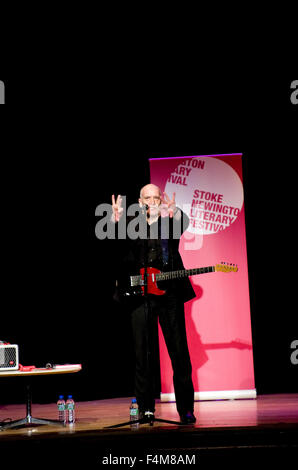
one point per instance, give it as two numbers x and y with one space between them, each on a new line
136 281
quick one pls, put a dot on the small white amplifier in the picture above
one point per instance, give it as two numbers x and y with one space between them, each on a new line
9 357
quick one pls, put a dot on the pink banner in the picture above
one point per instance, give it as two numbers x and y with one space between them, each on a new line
209 189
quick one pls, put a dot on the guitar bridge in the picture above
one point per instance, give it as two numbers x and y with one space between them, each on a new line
136 281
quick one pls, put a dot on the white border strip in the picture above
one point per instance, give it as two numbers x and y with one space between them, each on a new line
216 395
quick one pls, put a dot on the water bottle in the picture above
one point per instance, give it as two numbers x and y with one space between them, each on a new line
134 414
61 409
70 410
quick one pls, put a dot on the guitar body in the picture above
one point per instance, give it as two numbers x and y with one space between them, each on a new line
151 281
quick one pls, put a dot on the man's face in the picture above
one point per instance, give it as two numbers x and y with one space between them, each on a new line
151 196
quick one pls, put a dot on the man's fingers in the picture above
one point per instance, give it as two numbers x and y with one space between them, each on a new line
116 204
166 197
170 201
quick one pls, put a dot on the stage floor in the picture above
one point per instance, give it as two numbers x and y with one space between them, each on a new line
268 423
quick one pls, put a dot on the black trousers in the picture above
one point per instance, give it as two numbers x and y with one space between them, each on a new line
170 313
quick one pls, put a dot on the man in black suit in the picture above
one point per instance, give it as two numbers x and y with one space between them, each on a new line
164 225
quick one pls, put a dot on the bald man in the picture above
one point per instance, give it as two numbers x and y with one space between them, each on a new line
162 252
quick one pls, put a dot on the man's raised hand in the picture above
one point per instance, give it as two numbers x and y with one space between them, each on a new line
169 204
117 207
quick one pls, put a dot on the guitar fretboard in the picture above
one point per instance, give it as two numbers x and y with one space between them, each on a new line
184 273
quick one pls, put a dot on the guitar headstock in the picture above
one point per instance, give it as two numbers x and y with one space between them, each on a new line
226 267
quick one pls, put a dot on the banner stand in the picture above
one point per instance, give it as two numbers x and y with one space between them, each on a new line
209 189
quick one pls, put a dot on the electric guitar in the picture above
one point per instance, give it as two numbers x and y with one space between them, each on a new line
137 284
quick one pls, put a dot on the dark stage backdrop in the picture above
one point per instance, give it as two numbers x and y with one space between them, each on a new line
57 277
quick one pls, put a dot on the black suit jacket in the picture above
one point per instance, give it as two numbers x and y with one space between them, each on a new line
133 254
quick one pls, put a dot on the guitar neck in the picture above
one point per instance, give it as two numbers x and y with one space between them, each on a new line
184 273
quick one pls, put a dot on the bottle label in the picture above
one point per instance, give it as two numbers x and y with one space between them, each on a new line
61 407
134 412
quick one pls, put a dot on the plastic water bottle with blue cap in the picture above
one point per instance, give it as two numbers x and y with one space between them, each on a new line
134 414
70 410
61 409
